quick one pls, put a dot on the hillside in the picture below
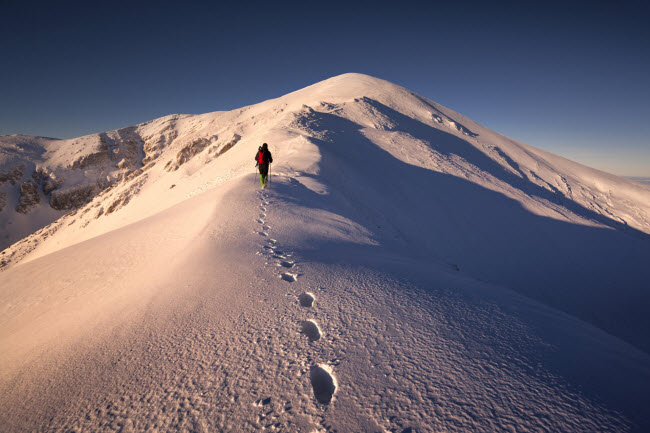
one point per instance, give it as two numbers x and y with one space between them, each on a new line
407 269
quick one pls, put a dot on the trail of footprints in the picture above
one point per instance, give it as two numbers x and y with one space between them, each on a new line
321 376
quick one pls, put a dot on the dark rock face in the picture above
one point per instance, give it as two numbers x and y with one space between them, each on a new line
3 200
14 175
50 185
71 198
45 180
28 197
39 175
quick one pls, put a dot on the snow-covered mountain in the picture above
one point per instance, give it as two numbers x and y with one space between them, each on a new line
644 180
443 276
43 178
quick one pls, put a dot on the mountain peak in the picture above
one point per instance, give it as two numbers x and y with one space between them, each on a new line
349 86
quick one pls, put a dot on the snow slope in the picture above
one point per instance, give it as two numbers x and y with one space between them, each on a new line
408 270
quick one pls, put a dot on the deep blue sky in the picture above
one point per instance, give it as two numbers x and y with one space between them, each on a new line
573 80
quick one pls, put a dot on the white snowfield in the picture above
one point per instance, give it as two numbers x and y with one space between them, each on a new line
408 270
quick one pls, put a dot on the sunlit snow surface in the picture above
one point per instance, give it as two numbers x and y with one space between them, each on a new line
407 270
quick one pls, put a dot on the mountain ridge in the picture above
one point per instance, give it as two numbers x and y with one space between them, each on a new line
131 173
407 269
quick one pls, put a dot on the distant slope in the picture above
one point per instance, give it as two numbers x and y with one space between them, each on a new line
644 180
43 178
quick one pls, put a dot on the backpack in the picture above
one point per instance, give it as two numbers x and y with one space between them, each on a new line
261 157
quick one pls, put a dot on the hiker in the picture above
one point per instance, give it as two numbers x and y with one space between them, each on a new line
263 158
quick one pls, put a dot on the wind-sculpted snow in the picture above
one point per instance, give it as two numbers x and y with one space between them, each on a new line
209 341
461 206
407 270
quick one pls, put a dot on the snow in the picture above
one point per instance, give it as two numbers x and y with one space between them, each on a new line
644 180
407 269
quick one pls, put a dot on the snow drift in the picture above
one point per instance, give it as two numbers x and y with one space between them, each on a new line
408 269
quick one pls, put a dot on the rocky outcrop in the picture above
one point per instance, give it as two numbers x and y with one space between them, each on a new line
153 145
28 197
47 181
225 147
72 198
125 196
120 148
93 159
50 185
14 175
39 175
187 152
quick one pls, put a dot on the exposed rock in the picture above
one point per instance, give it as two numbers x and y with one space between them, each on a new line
220 150
47 181
152 147
50 185
14 175
71 198
119 147
28 197
124 197
39 175
132 175
90 160
187 152
3 200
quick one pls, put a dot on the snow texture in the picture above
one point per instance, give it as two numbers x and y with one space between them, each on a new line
407 270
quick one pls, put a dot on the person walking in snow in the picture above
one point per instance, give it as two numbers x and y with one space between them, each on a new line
263 158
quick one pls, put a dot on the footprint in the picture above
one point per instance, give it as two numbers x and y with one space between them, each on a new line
289 277
310 329
262 215
272 241
306 299
262 208
263 401
261 221
286 264
265 227
262 234
323 382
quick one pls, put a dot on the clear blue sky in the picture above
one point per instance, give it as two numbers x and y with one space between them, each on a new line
571 78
